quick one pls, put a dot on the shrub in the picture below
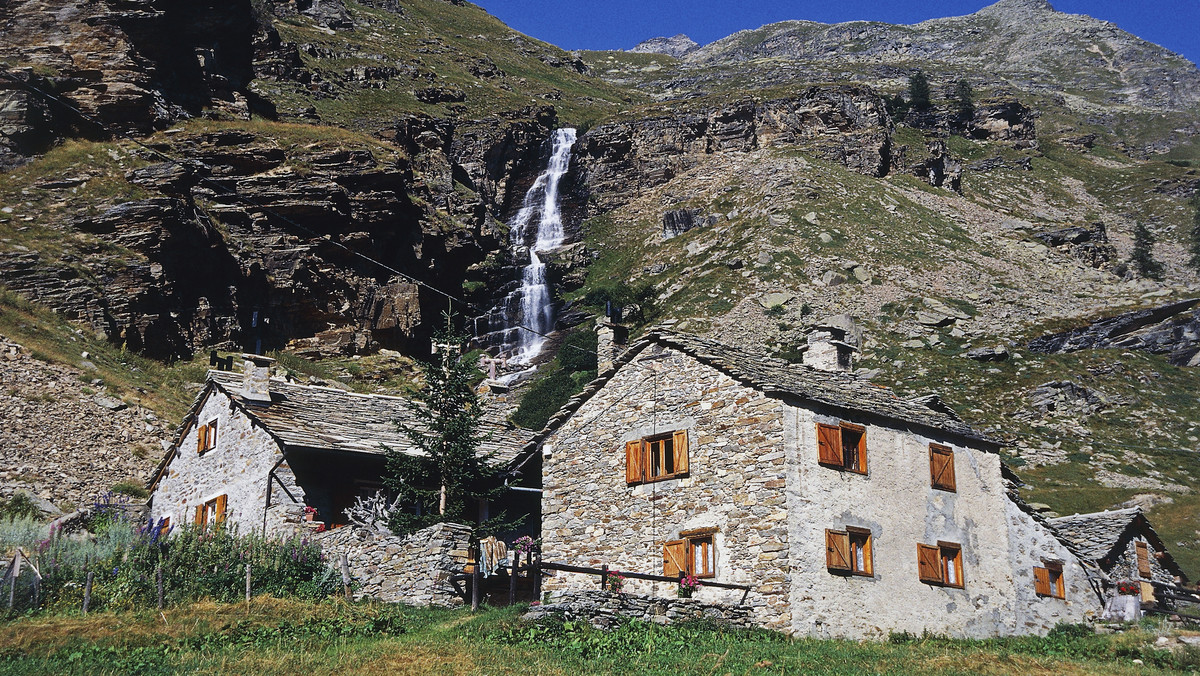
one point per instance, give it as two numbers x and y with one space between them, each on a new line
19 506
578 352
131 488
543 399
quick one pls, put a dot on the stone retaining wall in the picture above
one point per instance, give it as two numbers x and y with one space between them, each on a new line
603 609
414 570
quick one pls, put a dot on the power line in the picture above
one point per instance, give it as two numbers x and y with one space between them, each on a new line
450 298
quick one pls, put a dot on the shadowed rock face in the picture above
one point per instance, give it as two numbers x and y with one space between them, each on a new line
1170 329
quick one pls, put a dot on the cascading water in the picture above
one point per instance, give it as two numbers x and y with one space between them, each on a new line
529 305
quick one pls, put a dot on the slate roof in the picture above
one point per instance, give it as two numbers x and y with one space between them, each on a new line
778 378
327 418
1096 535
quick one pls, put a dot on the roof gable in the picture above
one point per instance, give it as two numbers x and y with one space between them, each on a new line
1099 535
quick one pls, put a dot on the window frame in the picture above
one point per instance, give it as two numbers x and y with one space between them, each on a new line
854 540
948 558
206 437
1142 551
1048 580
211 512
688 541
944 480
834 455
640 457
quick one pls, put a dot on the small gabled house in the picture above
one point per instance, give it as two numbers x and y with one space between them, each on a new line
256 450
849 511
1123 546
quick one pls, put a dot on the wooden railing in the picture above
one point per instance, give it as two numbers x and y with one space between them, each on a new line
534 567
1176 594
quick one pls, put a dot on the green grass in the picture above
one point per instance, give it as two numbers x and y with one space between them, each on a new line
272 636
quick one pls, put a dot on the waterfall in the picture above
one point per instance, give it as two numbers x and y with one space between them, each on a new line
529 305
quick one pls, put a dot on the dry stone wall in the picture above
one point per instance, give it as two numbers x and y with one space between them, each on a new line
590 517
414 570
605 609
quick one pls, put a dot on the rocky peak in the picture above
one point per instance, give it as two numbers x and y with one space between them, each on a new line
676 46
1009 9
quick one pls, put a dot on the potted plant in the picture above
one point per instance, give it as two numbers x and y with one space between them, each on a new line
310 513
688 584
616 581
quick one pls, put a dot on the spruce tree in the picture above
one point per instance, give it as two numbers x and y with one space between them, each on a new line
964 100
1142 257
1194 244
446 482
918 91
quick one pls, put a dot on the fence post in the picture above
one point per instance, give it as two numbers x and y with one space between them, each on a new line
345 576
247 586
512 580
604 577
537 578
87 592
158 583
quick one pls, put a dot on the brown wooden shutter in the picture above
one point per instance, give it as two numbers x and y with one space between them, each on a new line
862 448
200 515
201 438
1041 581
837 550
210 442
675 558
929 563
1143 559
941 467
634 459
221 508
829 445
164 527
679 447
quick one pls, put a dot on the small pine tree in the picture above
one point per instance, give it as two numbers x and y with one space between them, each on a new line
1194 244
918 91
1142 257
964 100
446 482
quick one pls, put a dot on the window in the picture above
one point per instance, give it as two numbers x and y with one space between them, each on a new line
663 456
1143 559
941 467
695 554
940 565
211 513
848 551
1048 580
843 446
206 437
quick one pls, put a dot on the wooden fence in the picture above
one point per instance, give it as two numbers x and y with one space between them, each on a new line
534 568
1175 595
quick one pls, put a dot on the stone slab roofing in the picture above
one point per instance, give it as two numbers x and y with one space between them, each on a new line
1096 535
327 418
778 378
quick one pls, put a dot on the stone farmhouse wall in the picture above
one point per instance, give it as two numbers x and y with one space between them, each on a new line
900 508
604 609
590 517
237 468
414 570
1124 566
754 476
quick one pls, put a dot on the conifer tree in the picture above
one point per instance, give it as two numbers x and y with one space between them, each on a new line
1143 253
446 482
964 100
918 91
1194 243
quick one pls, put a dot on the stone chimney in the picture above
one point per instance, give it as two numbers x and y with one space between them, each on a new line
828 349
610 343
256 378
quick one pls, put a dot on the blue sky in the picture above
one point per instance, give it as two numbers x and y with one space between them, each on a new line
620 24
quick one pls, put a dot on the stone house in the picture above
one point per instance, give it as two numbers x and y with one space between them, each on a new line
1123 546
851 512
254 450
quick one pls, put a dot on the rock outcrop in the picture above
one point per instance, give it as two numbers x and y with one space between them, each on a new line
1172 329
677 46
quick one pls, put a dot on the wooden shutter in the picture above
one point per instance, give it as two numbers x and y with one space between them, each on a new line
861 447
675 558
1143 559
164 527
829 445
1041 581
837 550
200 515
1147 593
941 467
201 438
634 460
929 563
221 508
679 447
210 441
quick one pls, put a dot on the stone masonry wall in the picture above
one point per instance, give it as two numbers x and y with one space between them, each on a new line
900 508
414 570
1124 567
237 468
604 609
590 517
